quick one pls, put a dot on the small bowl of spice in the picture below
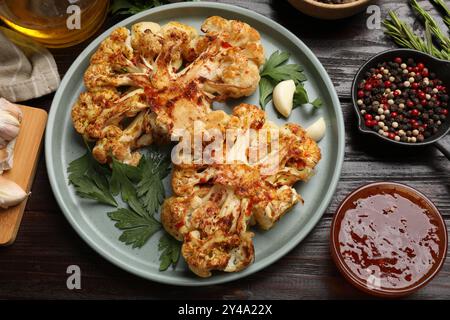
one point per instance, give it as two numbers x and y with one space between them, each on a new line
388 239
330 9
401 96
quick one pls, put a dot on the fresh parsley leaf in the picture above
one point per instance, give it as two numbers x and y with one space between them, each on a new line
277 58
122 179
276 69
317 103
286 72
169 249
300 96
90 179
136 229
265 92
135 6
150 190
119 6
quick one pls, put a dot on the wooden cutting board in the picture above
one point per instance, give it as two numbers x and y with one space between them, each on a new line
26 157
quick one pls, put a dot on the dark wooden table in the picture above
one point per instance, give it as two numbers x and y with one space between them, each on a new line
35 266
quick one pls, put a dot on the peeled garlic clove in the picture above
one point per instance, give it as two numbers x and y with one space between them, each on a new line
11 193
317 130
283 97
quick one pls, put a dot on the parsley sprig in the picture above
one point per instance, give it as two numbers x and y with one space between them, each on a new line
140 188
90 179
170 251
135 6
123 181
136 229
301 98
278 70
275 70
150 188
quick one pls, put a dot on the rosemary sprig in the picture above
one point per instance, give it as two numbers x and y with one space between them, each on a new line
428 36
443 40
446 10
404 36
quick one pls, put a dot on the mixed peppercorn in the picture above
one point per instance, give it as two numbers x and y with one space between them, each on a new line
403 100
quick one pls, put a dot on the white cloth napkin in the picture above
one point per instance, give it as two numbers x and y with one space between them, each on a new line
27 70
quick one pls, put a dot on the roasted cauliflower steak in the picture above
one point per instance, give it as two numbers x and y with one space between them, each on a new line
144 83
214 203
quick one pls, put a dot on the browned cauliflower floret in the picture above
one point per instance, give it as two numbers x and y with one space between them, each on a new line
110 62
145 40
89 107
271 205
237 34
115 48
213 225
229 253
121 144
186 38
250 116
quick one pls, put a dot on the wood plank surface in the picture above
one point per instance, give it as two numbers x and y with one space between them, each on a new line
35 266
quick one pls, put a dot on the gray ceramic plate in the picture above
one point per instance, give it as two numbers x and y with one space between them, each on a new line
62 145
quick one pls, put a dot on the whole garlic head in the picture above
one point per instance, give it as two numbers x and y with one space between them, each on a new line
9 126
11 108
10 119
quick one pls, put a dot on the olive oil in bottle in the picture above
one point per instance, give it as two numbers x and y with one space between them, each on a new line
55 23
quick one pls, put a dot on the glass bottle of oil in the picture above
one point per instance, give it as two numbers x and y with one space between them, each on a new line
55 23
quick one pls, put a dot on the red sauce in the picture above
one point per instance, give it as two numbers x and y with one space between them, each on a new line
390 237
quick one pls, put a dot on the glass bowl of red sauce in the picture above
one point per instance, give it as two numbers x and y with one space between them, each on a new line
388 239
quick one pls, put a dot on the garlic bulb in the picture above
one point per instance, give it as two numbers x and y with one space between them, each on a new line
283 97
7 156
11 108
11 193
9 126
317 130
10 121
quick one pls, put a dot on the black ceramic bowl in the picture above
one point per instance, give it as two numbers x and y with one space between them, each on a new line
438 66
